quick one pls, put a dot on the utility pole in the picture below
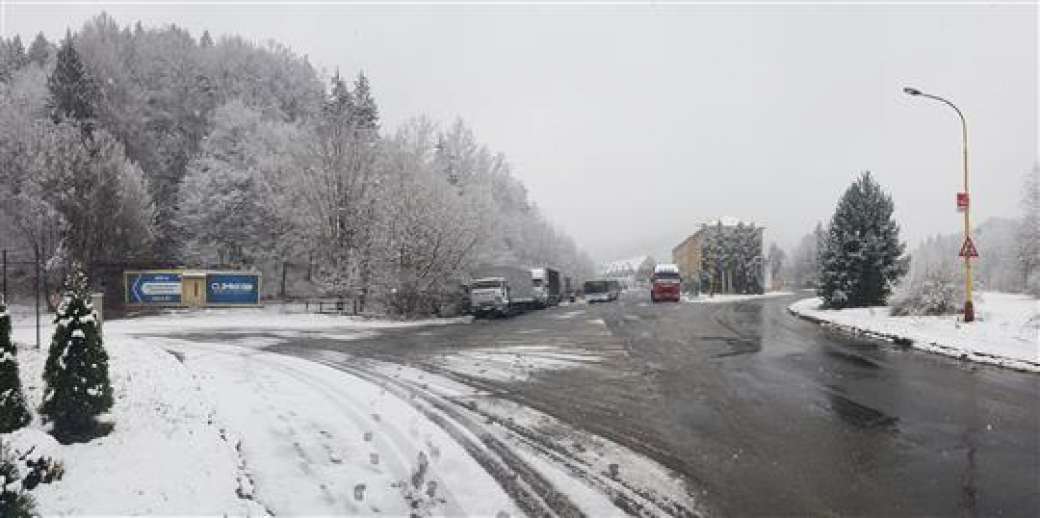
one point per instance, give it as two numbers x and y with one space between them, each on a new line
968 248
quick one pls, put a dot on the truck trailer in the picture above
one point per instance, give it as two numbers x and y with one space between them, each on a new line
500 290
547 289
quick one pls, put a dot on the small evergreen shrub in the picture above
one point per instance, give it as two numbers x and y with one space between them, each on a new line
76 373
14 503
14 412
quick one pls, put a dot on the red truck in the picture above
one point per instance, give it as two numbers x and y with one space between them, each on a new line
665 282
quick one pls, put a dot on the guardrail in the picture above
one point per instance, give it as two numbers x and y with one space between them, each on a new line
338 306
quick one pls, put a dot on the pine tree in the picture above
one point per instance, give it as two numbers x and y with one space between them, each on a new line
20 58
367 113
14 413
861 259
206 41
39 50
76 372
73 92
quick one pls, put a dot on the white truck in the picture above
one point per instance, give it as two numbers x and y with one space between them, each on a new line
546 286
500 290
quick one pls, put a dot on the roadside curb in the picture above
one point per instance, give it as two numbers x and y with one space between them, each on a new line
931 347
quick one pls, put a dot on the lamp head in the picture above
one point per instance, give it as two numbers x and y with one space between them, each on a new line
911 91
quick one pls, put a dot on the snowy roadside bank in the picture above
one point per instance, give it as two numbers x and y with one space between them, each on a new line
724 298
1005 332
166 453
175 447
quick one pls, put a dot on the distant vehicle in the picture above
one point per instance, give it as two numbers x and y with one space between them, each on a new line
615 289
664 283
546 282
500 290
598 291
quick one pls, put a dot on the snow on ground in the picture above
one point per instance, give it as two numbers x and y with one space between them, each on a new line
219 426
723 298
514 363
277 318
1006 330
165 454
322 442
598 477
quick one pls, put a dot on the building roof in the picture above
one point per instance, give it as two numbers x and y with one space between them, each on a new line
624 266
729 221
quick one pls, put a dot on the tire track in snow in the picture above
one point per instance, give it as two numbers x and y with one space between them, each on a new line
400 462
533 493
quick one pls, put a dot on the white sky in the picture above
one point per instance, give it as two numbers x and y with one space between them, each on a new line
631 124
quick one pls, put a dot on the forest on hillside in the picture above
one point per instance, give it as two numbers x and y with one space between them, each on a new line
133 146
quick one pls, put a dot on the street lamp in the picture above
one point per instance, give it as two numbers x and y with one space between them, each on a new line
967 249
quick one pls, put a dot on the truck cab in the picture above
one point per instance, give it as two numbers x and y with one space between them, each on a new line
665 283
489 296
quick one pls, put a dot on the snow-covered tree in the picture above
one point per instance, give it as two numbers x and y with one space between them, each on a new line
103 201
39 50
1028 252
76 372
862 258
74 91
805 259
777 261
14 413
232 202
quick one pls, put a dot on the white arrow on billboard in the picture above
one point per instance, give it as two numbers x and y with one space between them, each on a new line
161 288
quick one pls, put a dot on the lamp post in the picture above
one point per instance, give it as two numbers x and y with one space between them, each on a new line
969 309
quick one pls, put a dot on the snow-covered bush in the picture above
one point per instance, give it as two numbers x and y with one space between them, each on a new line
939 290
76 372
14 412
14 503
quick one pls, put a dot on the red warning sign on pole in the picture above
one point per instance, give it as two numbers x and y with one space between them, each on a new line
962 201
968 249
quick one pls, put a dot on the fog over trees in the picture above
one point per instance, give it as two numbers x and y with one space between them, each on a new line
129 145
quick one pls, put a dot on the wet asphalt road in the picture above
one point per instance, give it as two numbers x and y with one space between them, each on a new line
766 414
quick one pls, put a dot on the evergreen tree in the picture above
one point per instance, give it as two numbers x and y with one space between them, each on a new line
18 55
14 412
76 372
367 113
339 108
206 41
74 93
862 257
14 503
39 50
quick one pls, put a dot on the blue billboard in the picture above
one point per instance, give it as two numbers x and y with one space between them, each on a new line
233 288
153 288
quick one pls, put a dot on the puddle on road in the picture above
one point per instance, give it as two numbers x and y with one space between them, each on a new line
856 414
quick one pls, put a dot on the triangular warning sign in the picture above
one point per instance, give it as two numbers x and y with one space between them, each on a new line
968 249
